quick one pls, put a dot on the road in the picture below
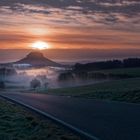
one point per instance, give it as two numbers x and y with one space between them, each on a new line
102 119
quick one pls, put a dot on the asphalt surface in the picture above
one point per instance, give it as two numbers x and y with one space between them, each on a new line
104 120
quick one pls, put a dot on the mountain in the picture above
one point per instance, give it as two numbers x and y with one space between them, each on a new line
37 59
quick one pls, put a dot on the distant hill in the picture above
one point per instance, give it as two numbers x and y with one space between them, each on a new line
37 59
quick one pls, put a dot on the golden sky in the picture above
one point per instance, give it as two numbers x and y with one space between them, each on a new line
70 23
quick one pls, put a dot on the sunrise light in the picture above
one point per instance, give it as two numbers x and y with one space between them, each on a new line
40 45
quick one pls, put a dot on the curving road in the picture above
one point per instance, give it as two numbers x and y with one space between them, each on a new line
104 120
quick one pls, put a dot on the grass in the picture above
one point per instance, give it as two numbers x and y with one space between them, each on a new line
134 72
127 90
17 123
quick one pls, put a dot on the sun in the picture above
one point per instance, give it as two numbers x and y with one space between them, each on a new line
40 45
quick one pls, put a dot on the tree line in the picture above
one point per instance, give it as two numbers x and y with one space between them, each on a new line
111 64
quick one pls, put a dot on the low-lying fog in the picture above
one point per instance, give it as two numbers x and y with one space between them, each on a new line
44 75
48 77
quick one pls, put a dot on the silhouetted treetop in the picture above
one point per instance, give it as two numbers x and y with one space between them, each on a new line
111 64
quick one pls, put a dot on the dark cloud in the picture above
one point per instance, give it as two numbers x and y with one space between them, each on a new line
99 11
119 6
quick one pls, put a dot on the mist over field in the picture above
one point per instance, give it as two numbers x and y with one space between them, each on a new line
35 70
49 76
44 75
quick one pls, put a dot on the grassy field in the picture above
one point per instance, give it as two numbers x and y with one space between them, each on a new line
134 72
17 123
127 90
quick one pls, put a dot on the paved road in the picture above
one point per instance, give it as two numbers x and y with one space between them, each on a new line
105 120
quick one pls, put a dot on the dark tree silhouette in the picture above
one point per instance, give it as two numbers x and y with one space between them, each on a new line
98 65
2 85
35 83
112 64
66 76
131 62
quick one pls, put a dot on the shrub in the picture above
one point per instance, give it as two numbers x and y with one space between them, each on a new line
2 85
35 83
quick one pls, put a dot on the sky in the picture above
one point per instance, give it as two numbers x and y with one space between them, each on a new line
70 24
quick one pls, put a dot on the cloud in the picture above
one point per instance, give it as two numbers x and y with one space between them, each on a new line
97 11
81 20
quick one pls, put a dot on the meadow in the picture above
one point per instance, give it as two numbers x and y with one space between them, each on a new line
127 90
133 72
17 123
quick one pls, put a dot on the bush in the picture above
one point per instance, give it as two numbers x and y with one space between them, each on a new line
2 85
35 83
66 76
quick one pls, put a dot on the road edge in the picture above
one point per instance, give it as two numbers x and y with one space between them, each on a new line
87 136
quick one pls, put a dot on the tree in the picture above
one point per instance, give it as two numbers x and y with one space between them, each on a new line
35 83
66 76
2 85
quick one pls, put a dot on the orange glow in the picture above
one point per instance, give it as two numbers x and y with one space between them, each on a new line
40 45
22 23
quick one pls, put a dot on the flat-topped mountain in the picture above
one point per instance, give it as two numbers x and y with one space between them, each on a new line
37 59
